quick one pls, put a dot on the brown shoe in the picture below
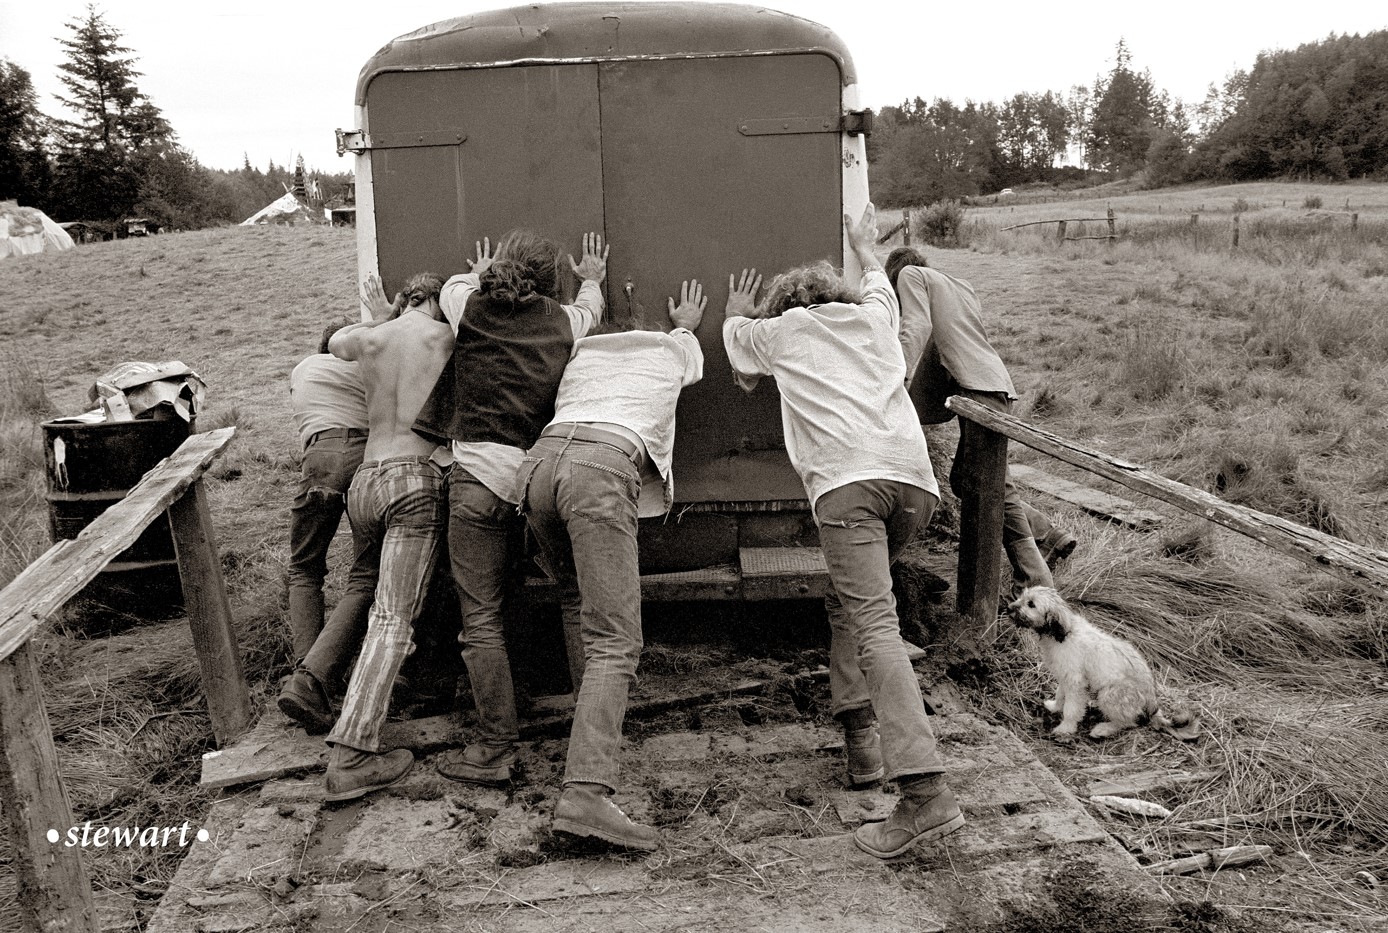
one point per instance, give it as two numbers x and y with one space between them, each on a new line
353 773
864 748
304 700
1056 547
476 765
584 812
912 822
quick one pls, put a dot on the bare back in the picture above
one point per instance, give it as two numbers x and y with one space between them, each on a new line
400 362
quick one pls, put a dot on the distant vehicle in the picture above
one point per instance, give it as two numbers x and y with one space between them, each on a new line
1005 191
700 139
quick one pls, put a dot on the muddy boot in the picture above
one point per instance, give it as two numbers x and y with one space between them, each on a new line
586 810
862 744
479 764
353 773
1056 546
927 811
304 700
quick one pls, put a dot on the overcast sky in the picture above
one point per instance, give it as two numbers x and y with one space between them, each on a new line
273 79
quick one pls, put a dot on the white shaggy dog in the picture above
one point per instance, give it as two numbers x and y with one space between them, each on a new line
1083 660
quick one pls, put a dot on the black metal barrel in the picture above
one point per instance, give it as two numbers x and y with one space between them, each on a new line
92 466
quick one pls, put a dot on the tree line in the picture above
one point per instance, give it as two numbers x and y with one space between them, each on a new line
117 156
1319 111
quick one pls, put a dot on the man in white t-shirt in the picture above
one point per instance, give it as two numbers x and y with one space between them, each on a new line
854 438
600 464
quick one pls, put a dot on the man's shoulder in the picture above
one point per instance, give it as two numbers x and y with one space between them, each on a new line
933 277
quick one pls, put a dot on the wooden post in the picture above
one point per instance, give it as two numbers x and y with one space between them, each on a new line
980 524
55 894
906 226
1112 233
1354 221
1195 229
1236 231
1060 232
209 614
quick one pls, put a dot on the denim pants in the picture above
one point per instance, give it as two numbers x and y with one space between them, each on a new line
484 534
1022 525
397 502
325 475
579 499
862 527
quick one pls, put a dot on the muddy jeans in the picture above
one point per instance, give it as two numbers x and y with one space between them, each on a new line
328 465
1022 525
579 498
862 527
398 502
482 532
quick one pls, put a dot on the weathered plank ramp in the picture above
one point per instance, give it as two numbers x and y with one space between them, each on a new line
1094 501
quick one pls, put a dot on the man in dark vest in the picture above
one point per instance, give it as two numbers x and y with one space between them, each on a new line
497 393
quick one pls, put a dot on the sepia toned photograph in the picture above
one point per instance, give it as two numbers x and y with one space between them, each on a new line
666 465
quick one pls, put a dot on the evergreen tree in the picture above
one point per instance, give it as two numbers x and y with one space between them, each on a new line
117 129
1120 129
24 167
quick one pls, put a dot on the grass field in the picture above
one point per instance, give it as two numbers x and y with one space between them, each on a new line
1262 373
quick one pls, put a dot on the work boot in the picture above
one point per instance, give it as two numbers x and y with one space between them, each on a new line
304 700
1056 546
478 765
864 748
917 818
586 810
353 773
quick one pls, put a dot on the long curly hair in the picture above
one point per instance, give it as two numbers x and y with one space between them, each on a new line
815 284
900 258
527 264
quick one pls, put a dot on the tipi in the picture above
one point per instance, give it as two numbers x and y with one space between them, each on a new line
25 230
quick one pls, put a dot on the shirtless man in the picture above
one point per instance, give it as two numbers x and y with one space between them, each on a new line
397 500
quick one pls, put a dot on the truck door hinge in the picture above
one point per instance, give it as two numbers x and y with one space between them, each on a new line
359 141
854 123
857 123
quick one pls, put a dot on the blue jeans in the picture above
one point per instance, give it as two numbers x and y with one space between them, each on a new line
325 475
579 498
862 527
483 538
397 502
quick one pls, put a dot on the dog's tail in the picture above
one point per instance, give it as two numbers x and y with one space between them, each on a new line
1182 724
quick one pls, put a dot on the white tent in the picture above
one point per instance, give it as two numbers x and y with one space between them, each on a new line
284 210
25 230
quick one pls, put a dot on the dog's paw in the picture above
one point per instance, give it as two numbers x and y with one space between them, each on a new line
1063 738
1065 728
1105 730
1052 706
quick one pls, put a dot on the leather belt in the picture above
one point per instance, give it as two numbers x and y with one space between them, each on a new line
334 432
583 432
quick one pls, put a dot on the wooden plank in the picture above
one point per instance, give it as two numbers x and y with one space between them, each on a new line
1095 502
61 573
980 527
276 748
1351 562
209 614
1144 782
54 891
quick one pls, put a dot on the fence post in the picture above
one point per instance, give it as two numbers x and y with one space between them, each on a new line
980 522
54 891
1060 232
1112 233
906 226
1236 231
1195 228
209 614
1354 221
